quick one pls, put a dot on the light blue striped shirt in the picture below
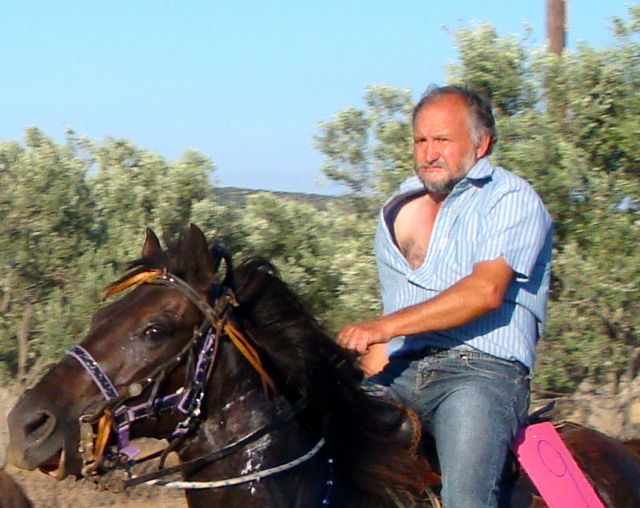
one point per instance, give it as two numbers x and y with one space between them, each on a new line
490 213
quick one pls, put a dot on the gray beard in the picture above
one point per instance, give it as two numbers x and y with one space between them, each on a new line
442 187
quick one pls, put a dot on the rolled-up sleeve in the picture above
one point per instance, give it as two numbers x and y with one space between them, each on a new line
516 227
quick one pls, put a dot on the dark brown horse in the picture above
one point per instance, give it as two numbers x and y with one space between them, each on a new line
260 404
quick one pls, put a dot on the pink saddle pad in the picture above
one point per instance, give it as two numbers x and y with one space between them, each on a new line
552 469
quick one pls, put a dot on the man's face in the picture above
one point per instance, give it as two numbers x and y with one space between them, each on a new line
442 142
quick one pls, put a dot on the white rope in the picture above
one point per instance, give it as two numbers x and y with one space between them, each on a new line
240 479
433 499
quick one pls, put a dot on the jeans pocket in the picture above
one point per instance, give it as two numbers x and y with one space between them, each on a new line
498 369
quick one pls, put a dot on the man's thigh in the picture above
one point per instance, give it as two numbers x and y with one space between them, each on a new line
477 416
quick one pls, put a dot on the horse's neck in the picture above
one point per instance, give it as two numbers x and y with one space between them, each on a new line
237 407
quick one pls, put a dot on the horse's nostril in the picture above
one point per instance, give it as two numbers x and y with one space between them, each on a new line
40 426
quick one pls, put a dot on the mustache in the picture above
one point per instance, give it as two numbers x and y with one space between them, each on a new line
435 164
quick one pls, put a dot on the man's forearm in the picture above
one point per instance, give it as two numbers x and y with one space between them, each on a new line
471 297
467 300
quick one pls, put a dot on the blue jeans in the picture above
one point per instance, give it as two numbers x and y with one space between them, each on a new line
473 405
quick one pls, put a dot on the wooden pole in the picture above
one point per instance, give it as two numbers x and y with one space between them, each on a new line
556 26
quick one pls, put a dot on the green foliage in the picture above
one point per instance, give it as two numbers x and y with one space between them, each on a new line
184 185
74 214
495 66
46 222
366 150
325 255
70 215
568 126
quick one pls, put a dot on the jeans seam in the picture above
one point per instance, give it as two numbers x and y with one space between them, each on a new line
420 380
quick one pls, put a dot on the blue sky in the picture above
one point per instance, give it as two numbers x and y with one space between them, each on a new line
245 83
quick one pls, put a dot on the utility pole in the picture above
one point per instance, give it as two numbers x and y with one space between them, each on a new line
556 26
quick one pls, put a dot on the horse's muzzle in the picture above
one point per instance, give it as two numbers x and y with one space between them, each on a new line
37 440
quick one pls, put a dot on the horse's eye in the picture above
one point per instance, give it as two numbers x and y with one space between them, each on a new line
154 332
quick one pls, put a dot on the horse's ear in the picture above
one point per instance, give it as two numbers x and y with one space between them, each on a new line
219 253
199 266
151 249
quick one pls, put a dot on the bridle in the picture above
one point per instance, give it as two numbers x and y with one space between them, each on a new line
117 412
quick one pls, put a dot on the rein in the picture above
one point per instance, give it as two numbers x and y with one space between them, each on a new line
283 418
115 414
230 482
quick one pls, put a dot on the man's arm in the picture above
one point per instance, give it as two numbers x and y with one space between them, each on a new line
476 294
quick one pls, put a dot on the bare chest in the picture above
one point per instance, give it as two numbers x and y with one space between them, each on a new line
413 229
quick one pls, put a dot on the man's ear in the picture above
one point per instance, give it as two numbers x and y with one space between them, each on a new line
483 146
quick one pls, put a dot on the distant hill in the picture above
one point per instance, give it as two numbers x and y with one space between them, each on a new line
237 197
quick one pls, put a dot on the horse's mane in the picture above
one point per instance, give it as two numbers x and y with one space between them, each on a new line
305 361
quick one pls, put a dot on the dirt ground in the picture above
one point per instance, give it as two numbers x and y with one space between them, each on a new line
47 492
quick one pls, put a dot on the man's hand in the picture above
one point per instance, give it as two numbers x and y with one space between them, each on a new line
359 336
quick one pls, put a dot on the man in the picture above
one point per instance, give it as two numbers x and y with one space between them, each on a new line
463 254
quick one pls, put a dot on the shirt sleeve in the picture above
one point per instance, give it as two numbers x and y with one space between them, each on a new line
516 228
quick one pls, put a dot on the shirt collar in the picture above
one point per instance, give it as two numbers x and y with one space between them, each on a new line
481 170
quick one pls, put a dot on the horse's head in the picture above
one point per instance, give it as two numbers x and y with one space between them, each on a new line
132 351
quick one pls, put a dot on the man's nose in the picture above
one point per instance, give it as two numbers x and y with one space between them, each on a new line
431 152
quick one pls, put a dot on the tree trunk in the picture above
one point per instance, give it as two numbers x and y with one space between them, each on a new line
6 297
24 328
